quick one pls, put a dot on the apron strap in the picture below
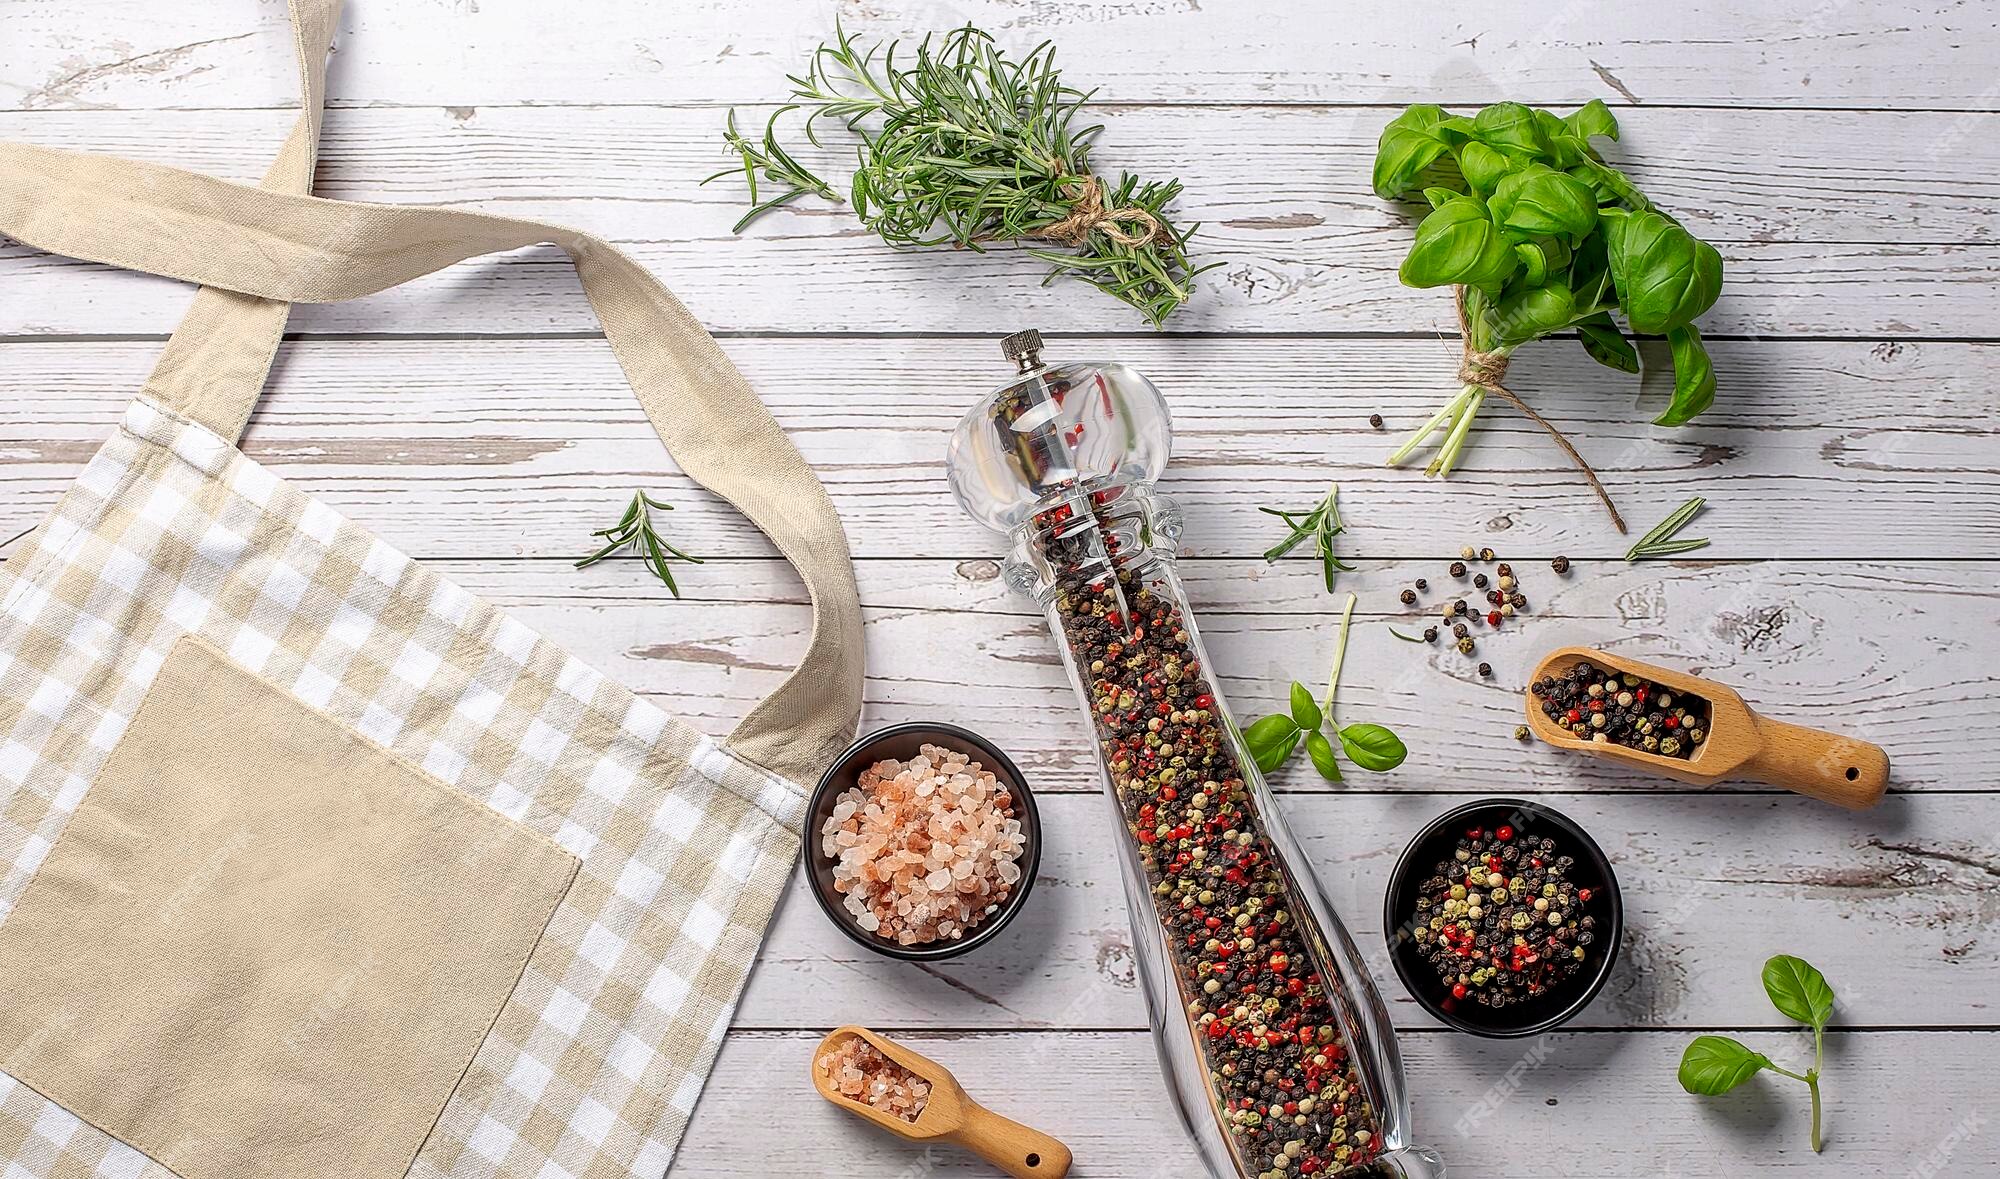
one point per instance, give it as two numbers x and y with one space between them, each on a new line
219 358
288 247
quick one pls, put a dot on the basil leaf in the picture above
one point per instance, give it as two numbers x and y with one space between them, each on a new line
1437 194
1538 200
1482 166
1534 312
1459 243
1565 149
1716 1064
1592 119
1406 148
1534 264
1268 732
1321 751
1273 757
1455 130
1607 345
1510 125
1305 710
1694 378
1798 991
1665 275
1373 747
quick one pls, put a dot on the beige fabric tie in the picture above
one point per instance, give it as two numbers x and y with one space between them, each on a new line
286 247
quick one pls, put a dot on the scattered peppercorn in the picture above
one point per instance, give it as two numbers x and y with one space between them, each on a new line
1409 597
1467 552
1422 584
1622 709
1493 618
1465 645
1486 554
1479 581
1458 569
1458 607
1486 671
1505 570
1518 601
1521 733
1430 634
1500 921
1459 630
1375 420
1560 564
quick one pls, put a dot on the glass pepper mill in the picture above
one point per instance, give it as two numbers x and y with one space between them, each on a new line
1277 1051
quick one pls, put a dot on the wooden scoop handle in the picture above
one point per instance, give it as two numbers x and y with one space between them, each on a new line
1018 1150
1827 766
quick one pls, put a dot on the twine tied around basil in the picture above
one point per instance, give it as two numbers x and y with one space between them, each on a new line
1486 370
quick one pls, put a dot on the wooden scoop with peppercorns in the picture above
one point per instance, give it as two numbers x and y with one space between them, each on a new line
942 1109
1693 729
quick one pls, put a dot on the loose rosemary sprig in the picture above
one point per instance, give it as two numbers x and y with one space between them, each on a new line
1660 541
965 146
1322 524
635 528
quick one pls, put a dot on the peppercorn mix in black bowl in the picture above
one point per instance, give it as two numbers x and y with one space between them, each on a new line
1503 918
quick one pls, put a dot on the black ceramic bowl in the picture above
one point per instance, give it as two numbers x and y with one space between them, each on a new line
902 743
1437 842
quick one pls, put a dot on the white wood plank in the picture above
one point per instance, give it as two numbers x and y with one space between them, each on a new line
1896 906
1908 668
1798 52
1566 1106
464 448
1289 281
1296 175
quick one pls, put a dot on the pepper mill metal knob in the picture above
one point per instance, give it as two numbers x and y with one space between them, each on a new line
1024 349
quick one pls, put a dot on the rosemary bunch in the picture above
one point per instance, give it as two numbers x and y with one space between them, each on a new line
963 146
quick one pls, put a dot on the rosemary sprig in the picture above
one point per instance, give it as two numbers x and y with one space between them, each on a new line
1660 541
1322 524
965 146
635 528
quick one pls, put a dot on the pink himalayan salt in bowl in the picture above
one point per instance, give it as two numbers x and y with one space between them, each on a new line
922 841
924 849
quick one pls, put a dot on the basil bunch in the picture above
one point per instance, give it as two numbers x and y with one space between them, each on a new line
1542 236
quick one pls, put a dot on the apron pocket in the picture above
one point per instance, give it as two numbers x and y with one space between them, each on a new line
262 945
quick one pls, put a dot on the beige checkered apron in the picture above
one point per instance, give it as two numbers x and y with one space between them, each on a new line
256 766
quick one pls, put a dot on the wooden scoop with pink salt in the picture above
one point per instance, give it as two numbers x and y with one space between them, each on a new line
909 1094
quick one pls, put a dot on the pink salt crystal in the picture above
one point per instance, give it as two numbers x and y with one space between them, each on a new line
860 1072
920 846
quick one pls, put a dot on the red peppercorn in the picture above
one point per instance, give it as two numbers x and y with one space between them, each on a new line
1493 618
1204 701
1458 990
1505 833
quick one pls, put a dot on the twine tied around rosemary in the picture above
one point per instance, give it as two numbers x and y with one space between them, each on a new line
1486 371
1087 212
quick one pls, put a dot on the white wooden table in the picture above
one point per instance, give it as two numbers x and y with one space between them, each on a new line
1845 157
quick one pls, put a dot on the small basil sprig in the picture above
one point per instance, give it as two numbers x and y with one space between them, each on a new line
1714 1065
1273 739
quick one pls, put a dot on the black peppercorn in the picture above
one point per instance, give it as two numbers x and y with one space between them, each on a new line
1430 634
1485 670
1517 601
1422 584
1409 597
1479 581
1459 630
1486 554
1458 607
1375 420
1560 564
1458 569
1505 569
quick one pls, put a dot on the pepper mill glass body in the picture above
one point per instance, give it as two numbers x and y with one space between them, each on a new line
1277 1050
